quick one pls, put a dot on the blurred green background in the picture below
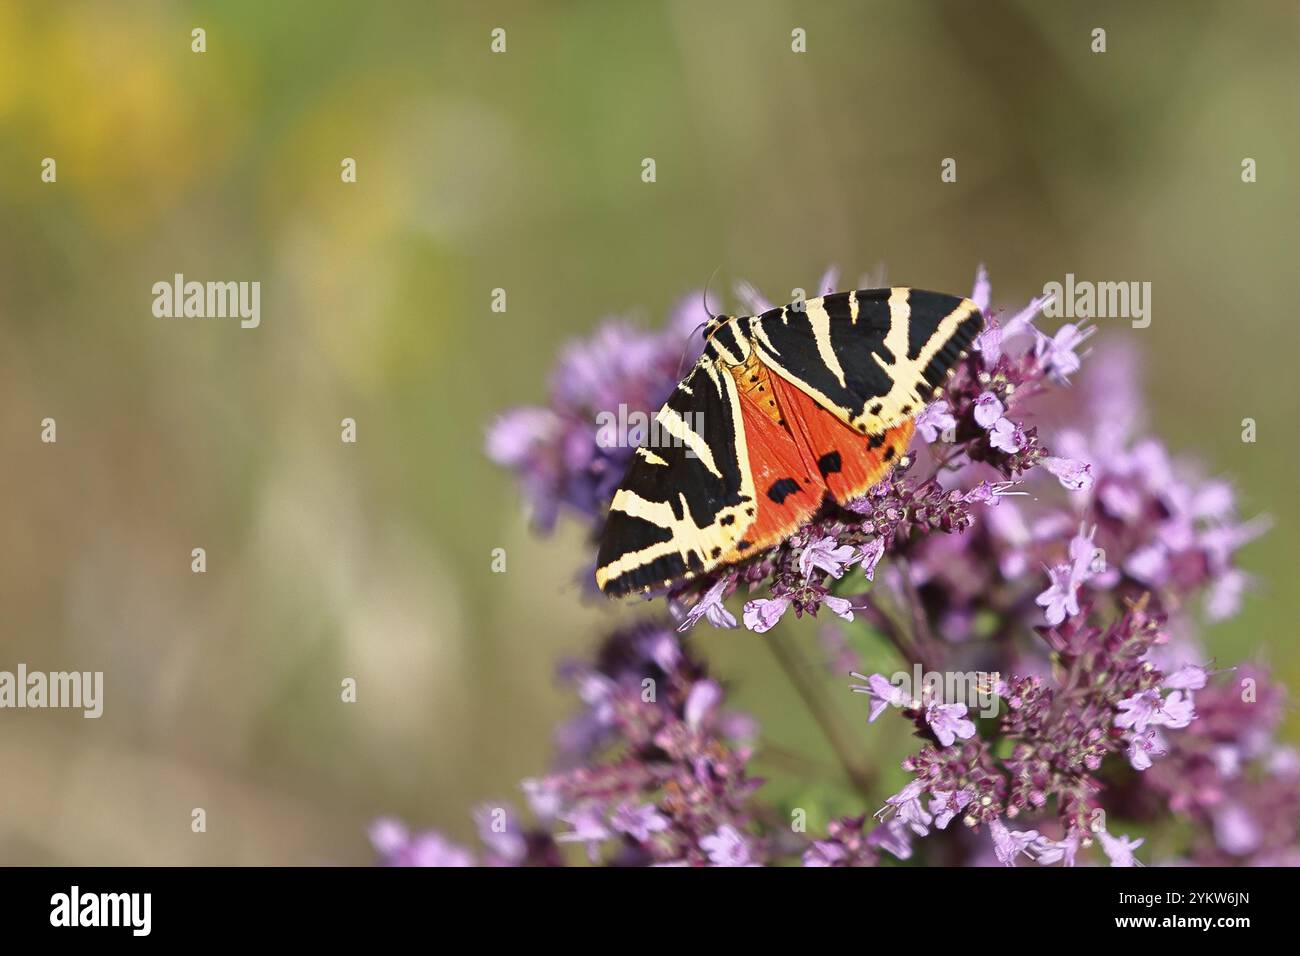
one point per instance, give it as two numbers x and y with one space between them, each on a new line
522 171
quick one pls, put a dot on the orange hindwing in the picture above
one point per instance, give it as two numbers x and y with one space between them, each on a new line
849 463
798 452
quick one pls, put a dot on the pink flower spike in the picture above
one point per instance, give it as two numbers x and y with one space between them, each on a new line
727 847
1046 851
588 822
1142 747
947 804
824 554
762 614
908 804
988 410
1009 844
1139 711
1072 474
638 822
935 419
710 606
869 556
840 606
1177 711
1119 849
1057 355
1061 600
1190 677
1005 436
982 293
949 721
882 693
701 703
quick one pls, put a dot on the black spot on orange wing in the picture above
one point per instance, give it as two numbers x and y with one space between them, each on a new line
830 463
782 489
862 464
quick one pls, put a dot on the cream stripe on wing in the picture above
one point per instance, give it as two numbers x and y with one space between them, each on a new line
756 332
900 317
740 442
908 374
947 328
680 543
711 370
820 322
672 423
726 354
656 512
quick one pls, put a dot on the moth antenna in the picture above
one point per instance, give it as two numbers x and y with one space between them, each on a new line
704 302
681 362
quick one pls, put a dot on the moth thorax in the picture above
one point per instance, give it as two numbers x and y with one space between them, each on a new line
754 383
723 342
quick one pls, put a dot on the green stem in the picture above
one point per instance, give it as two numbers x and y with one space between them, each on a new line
922 636
886 625
796 669
778 756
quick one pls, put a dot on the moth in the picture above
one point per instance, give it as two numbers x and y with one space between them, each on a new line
782 411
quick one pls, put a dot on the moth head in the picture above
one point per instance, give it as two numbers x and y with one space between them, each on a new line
715 323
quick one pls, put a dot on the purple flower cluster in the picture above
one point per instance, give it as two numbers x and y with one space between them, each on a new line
658 769
563 461
1106 574
652 770
504 843
846 844
1227 774
1023 535
1057 732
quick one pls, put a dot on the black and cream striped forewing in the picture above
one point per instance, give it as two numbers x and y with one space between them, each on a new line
873 357
685 500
